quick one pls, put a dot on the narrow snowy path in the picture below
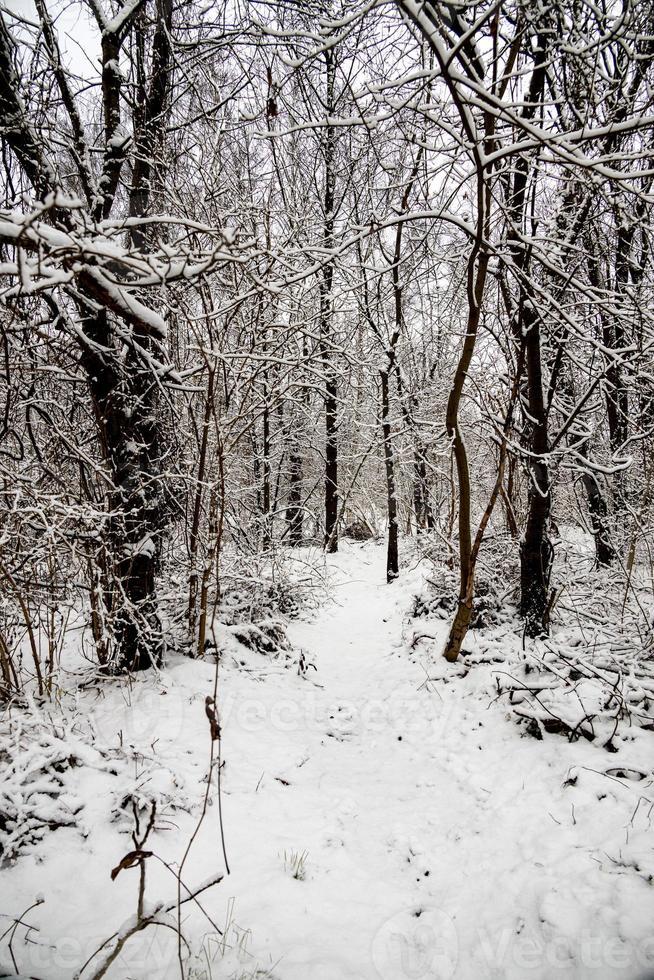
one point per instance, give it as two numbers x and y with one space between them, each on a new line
356 747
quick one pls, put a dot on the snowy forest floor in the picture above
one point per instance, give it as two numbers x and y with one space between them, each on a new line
385 814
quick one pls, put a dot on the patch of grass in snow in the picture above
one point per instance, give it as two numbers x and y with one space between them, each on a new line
228 954
256 973
295 864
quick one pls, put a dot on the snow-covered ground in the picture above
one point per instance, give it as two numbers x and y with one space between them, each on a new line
384 816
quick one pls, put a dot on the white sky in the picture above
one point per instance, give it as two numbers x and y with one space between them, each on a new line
79 38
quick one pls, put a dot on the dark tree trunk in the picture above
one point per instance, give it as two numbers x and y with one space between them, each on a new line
598 511
326 319
507 497
392 558
265 469
331 467
617 405
294 510
132 410
536 551
536 554
619 394
295 507
126 406
421 502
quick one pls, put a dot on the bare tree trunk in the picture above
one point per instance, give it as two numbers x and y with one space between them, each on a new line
126 406
598 512
507 498
265 471
613 336
197 511
392 558
327 316
132 413
536 550
427 18
294 510
421 503
331 466
618 394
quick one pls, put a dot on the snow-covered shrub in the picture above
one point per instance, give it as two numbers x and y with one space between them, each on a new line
569 687
592 678
37 794
256 588
266 638
33 622
257 596
258 600
157 788
46 760
439 600
358 531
